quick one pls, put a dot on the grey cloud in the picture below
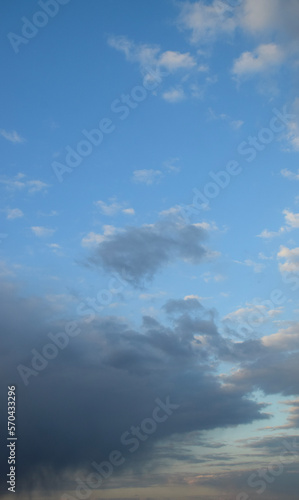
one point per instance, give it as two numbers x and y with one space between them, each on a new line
181 306
69 414
274 373
235 482
293 420
276 444
138 253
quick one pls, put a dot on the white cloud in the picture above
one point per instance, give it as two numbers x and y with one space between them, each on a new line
291 256
145 55
257 266
172 211
93 239
42 232
291 219
292 136
54 246
113 208
286 339
175 213
36 186
253 314
271 234
15 183
291 222
151 176
213 277
14 213
175 94
12 136
173 61
52 213
235 124
170 166
207 226
19 183
151 56
264 257
263 58
191 297
243 313
207 22
290 175
148 177
129 211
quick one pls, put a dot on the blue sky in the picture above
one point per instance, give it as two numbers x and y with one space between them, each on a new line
149 188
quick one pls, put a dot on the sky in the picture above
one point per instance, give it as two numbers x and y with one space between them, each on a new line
149 257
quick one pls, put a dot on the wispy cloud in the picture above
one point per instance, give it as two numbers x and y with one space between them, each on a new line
113 207
292 137
235 124
173 61
206 22
175 94
262 59
293 176
256 314
42 232
93 239
151 55
148 177
19 183
257 267
171 165
12 136
14 213
128 211
291 222
291 257
286 339
208 276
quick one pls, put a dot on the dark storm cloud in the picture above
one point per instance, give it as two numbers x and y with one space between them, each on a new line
138 253
106 380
